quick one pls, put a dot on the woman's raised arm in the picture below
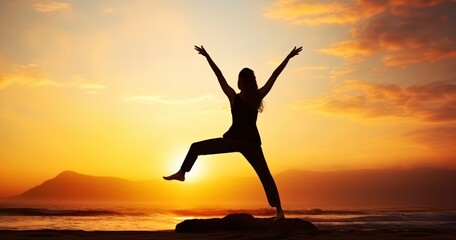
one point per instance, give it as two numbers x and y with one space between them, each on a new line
229 92
267 87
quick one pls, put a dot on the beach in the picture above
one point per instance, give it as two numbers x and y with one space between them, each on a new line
165 235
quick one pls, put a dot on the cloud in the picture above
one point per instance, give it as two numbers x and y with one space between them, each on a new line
440 138
27 74
84 84
308 12
51 6
410 36
199 105
348 50
107 10
313 68
30 75
403 32
145 98
432 102
317 13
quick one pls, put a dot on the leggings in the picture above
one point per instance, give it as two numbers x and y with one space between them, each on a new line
252 152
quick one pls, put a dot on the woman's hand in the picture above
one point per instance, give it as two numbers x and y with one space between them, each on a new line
267 87
229 92
201 50
294 52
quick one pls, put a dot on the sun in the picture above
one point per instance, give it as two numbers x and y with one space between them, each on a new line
196 174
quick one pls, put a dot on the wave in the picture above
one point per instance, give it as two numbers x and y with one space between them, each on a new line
263 212
413 216
442 217
53 212
122 217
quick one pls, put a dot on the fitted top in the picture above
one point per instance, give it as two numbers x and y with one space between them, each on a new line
244 122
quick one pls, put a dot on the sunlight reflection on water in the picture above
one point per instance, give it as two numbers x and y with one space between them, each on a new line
136 218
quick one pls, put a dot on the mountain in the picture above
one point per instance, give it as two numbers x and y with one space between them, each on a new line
365 188
360 188
72 186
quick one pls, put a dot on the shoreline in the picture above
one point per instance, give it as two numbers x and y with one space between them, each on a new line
170 234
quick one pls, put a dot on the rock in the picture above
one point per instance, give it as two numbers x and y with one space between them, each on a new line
242 222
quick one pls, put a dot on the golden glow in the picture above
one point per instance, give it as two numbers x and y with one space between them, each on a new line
174 163
116 88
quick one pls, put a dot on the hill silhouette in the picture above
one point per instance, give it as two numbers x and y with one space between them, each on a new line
365 188
72 186
360 188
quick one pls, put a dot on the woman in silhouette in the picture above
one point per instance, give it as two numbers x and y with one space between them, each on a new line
243 135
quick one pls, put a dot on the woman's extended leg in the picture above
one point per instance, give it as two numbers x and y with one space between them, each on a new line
253 153
210 146
255 156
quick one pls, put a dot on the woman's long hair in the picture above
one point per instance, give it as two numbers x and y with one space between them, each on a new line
247 83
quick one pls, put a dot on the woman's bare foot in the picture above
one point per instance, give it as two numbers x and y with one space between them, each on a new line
180 176
280 215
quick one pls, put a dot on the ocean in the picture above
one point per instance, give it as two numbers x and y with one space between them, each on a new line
149 218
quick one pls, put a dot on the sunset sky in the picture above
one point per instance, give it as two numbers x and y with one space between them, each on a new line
115 88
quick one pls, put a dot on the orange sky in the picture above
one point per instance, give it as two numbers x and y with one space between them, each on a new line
115 87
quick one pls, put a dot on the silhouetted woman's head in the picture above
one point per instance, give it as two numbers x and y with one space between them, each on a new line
247 84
